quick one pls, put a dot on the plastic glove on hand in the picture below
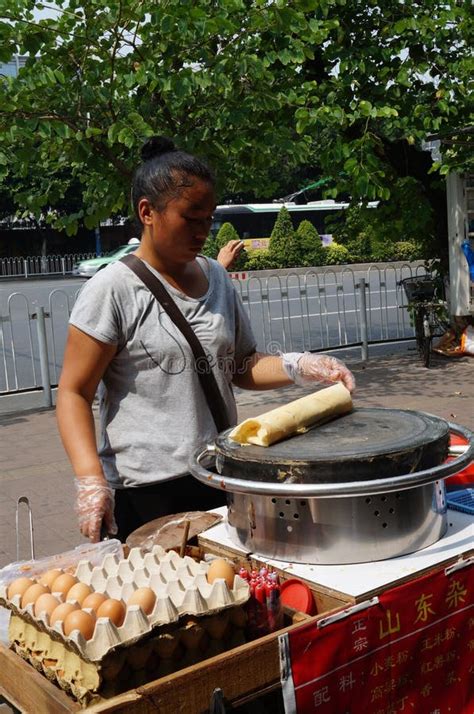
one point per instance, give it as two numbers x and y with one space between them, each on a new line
306 367
94 504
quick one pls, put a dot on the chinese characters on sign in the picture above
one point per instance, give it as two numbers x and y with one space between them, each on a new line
411 652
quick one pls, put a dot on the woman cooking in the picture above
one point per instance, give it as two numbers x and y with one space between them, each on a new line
153 411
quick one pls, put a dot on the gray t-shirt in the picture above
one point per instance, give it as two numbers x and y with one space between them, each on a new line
153 411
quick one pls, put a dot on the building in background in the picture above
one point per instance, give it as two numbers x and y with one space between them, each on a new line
11 68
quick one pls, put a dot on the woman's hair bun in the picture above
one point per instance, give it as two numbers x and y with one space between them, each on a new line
156 146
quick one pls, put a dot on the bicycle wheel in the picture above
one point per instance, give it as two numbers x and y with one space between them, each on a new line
426 351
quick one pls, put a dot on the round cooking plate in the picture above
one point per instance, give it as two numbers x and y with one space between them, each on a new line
368 443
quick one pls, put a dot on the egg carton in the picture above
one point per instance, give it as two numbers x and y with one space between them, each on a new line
180 586
167 650
53 658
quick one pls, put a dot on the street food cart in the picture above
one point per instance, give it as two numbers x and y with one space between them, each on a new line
369 542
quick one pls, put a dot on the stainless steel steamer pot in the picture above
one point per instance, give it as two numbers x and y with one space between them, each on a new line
364 487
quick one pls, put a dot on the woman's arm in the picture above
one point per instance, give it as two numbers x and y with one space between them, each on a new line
262 371
229 253
85 362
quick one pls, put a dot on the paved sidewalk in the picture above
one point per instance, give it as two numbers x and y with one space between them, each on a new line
33 463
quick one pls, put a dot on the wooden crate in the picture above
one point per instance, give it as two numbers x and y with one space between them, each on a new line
244 672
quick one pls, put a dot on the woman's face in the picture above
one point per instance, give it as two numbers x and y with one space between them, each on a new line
179 231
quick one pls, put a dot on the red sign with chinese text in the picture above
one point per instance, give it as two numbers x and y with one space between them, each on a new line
411 652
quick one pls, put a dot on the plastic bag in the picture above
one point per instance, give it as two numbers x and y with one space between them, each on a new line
68 561
449 345
467 341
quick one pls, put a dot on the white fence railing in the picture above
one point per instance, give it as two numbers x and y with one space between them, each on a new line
36 265
316 309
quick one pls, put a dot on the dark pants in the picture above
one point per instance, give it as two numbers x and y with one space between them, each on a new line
136 506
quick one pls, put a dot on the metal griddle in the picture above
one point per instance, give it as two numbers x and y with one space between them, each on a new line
358 446
365 486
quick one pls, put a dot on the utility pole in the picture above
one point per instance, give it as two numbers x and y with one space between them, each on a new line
98 245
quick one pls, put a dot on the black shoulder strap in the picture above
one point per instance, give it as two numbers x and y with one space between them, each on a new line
208 382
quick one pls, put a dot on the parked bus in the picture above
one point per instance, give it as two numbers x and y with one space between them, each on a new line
254 221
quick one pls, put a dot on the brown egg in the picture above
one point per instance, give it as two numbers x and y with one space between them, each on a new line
216 625
46 603
62 611
145 597
63 583
19 587
49 577
79 592
33 593
113 609
82 621
220 568
94 601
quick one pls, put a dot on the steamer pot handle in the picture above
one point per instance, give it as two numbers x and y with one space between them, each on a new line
208 452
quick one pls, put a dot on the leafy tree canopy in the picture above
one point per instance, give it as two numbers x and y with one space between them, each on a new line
254 87
102 76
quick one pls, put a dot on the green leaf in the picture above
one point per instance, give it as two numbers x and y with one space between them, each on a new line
92 131
350 164
113 132
365 108
387 112
308 5
50 75
166 24
72 228
90 221
362 184
125 136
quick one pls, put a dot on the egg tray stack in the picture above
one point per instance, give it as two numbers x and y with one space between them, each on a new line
191 620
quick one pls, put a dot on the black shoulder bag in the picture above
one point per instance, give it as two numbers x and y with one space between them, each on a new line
208 382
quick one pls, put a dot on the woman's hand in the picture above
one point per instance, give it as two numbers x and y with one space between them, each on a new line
94 505
306 367
229 253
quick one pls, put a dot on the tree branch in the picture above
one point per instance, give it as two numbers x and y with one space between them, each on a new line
99 146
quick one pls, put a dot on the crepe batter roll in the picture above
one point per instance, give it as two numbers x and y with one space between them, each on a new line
294 417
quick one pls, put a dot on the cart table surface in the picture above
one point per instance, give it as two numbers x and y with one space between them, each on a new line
364 579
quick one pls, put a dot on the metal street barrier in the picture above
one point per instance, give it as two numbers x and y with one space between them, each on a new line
316 309
35 265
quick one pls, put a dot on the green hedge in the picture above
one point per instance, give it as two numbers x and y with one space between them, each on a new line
361 235
336 254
